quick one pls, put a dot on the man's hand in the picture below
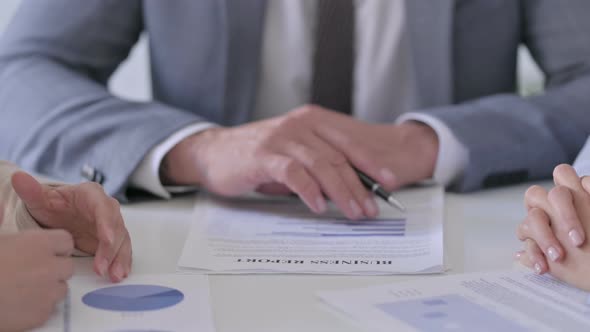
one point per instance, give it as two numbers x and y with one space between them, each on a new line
311 152
555 227
35 268
88 214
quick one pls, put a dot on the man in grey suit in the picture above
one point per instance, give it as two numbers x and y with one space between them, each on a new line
290 96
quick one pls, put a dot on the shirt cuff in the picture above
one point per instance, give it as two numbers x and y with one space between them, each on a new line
453 156
147 174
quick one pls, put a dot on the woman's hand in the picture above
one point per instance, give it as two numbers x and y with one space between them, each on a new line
35 267
555 228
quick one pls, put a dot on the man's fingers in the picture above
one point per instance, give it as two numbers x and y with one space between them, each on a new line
536 256
329 178
565 217
358 156
537 227
121 266
278 189
60 242
337 159
292 174
109 226
29 190
111 235
361 194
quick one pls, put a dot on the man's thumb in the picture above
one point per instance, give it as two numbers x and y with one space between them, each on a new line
28 189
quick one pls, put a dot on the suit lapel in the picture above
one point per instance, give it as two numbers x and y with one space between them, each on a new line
245 24
430 25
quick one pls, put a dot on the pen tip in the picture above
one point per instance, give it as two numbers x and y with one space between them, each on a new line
396 203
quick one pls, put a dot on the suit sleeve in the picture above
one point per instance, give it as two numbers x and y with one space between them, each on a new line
511 138
14 216
56 58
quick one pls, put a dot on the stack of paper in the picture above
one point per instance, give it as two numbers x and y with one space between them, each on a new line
140 303
501 301
254 235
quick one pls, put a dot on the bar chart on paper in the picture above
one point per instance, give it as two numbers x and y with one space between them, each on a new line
508 301
260 235
341 228
450 312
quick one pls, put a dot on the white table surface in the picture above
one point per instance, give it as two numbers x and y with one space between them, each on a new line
479 236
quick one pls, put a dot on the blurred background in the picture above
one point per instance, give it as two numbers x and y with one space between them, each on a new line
132 80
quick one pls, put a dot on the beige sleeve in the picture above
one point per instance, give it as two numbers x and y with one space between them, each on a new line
14 216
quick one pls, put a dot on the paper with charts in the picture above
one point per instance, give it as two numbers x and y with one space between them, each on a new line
167 302
280 235
510 301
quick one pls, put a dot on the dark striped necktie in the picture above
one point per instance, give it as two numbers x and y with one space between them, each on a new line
333 60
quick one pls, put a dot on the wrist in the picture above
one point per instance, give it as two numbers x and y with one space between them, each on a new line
423 143
185 163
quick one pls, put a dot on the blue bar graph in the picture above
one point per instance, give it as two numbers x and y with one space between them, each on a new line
449 313
342 228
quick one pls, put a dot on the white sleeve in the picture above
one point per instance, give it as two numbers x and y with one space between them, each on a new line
147 174
582 163
452 155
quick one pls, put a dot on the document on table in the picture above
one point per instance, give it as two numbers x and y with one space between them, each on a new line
168 302
280 235
511 301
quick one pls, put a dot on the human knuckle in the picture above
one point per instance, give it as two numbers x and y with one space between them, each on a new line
290 169
114 203
290 120
308 187
521 230
305 110
317 162
338 159
534 192
93 186
557 193
536 216
561 170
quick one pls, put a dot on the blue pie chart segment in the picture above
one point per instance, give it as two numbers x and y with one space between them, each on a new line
133 298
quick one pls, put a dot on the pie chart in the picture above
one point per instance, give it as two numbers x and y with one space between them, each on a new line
133 298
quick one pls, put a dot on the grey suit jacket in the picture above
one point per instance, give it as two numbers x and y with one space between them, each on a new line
56 57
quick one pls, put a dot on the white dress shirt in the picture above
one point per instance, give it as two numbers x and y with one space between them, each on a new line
383 80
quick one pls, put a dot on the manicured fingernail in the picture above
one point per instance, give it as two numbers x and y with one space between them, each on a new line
518 254
320 204
119 272
103 267
575 237
371 207
387 175
356 209
537 267
553 254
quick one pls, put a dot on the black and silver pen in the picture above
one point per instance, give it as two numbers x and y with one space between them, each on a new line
376 188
